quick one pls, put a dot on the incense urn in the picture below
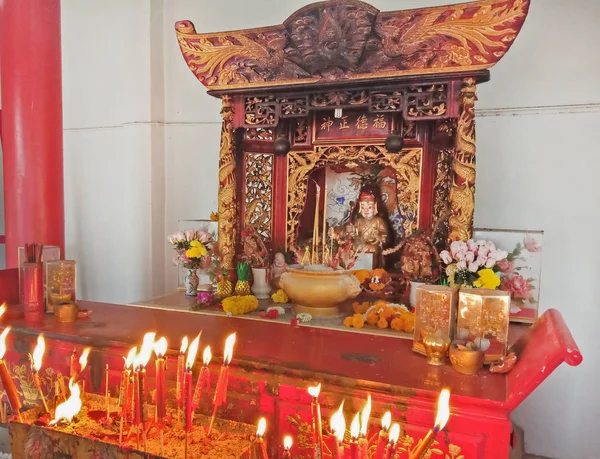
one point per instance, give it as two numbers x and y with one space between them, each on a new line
319 292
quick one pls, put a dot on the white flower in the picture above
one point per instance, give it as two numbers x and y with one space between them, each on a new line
458 246
470 257
473 267
304 317
460 256
484 252
446 257
461 265
498 255
482 260
490 263
279 309
472 245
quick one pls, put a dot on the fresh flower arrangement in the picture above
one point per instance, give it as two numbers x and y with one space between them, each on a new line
238 305
193 248
254 250
373 281
384 315
473 264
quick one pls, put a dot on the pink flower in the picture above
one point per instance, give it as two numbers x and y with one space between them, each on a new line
531 244
461 265
506 266
458 246
470 257
446 257
518 286
483 252
482 259
490 263
190 235
460 256
472 245
473 266
498 255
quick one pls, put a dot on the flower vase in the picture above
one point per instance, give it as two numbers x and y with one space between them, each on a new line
260 286
191 283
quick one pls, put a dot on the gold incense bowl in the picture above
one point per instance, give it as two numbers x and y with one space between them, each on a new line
319 293
464 360
436 347
66 311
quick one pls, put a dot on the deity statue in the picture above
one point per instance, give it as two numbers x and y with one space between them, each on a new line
367 230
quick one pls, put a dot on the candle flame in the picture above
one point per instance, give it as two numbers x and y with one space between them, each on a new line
84 358
443 410
67 410
364 417
160 347
262 427
355 427
192 351
2 309
394 433
288 442
386 420
206 356
130 358
38 354
314 391
141 360
3 342
184 345
228 354
338 424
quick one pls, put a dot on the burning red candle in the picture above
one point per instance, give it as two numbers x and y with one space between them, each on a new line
160 349
363 442
260 433
222 382
189 384
140 388
354 433
287 446
203 382
338 429
390 449
36 365
7 381
180 372
126 388
316 420
383 435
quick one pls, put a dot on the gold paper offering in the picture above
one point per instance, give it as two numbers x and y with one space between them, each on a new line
435 311
483 318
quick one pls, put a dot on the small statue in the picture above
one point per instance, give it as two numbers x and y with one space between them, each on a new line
278 268
368 231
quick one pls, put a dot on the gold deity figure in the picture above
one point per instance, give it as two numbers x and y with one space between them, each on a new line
367 230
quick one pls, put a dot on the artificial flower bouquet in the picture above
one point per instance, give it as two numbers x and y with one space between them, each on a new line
473 264
194 248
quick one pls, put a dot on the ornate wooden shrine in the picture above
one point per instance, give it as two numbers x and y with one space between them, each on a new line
328 87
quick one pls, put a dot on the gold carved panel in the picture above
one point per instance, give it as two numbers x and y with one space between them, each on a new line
258 196
406 163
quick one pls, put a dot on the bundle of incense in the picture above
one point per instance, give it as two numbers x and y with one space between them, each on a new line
33 253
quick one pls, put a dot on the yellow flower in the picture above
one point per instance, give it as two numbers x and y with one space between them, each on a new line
362 275
214 217
196 250
280 297
487 279
238 305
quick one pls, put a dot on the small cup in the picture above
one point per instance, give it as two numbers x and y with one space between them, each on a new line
464 360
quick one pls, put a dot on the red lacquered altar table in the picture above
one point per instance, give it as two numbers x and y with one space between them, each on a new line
274 363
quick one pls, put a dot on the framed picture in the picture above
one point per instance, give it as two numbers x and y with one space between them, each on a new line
205 224
522 272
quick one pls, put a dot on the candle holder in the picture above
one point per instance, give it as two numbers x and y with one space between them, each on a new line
61 278
436 347
483 318
434 310
49 253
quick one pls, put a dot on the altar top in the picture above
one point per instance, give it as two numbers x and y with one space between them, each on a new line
335 358
349 41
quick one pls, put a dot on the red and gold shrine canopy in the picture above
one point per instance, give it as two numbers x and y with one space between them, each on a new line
349 40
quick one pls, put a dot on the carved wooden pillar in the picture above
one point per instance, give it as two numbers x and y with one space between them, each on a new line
227 187
462 194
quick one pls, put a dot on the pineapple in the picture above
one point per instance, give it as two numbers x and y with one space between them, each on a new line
224 287
242 286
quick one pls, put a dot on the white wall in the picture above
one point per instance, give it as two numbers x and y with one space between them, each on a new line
141 153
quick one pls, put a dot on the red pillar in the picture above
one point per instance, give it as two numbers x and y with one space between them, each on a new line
30 66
